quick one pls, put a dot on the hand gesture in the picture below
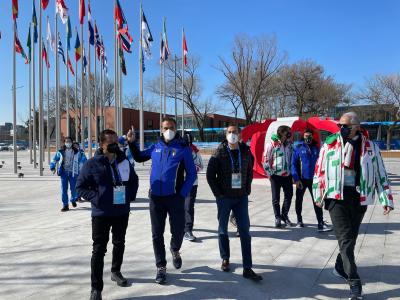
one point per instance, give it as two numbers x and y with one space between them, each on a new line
130 136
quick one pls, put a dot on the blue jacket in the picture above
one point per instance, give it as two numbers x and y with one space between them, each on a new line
79 160
303 161
169 163
95 184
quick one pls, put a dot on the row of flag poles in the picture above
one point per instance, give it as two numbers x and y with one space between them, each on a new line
91 96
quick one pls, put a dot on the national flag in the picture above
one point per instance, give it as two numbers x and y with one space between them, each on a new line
125 38
60 49
164 50
62 10
184 49
34 23
84 62
119 15
15 9
70 67
82 11
105 64
29 44
142 59
45 56
45 3
69 34
98 42
51 39
100 49
91 30
122 60
147 38
18 47
78 48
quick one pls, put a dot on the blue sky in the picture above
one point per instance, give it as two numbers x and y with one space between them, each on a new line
352 39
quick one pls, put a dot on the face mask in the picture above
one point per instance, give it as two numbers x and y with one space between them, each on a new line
169 135
68 145
232 138
308 140
112 148
345 132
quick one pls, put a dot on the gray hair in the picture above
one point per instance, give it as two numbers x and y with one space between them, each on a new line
354 119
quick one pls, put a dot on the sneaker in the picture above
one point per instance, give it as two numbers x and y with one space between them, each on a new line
79 200
161 276
74 204
355 291
287 222
250 274
117 277
176 259
225 265
232 220
339 273
95 295
189 236
323 227
300 224
65 208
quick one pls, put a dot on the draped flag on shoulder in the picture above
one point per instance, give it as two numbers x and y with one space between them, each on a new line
69 34
184 49
18 46
147 37
62 10
164 50
51 39
91 30
15 9
34 23
78 48
45 57
70 67
60 49
45 3
82 11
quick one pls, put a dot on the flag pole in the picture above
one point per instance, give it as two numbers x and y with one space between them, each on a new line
82 92
121 101
176 104
115 76
30 102
57 115
41 116
76 97
183 80
48 114
101 92
95 87
161 85
67 87
164 90
89 102
141 120
35 129
14 91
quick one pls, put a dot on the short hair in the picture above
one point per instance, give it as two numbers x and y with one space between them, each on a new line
281 130
354 119
104 133
68 138
308 130
168 119
234 125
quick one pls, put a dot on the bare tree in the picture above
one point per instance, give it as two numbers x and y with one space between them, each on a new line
249 70
384 90
226 95
132 101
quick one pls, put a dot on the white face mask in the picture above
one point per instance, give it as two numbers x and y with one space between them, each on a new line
169 135
232 138
68 145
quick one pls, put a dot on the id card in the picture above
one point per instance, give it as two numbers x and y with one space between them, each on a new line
349 177
119 195
236 180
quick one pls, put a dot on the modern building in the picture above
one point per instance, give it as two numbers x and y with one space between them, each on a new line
367 113
6 133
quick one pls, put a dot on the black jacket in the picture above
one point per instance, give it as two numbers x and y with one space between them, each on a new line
219 172
95 184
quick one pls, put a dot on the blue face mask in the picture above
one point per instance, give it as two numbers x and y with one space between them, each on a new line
345 132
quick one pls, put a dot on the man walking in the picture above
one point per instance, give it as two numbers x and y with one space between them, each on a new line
229 174
348 173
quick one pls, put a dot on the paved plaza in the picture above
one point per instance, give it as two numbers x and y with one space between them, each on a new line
45 254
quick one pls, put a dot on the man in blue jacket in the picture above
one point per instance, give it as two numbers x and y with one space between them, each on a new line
109 182
304 158
171 158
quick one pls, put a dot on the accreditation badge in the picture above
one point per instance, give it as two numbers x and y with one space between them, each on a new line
119 195
236 180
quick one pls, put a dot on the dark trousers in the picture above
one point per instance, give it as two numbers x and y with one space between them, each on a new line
189 209
239 206
307 184
346 216
174 206
284 182
100 234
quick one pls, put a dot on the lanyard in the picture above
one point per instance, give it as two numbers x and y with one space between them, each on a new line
239 160
112 173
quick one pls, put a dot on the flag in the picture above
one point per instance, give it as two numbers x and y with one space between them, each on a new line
70 67
122 60
60 49
62 10
164 51
91 31
125 38
45 3
147 38
82 11
29 44
119 15
84 61
78 48
15 9
105 64
45 56
18 47
69 34
184 49
142 59
34 22
51 38
100 49
98 42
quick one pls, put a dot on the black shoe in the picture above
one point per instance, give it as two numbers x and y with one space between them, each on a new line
65 208
189 236
95 295
323 227
117 277
278 223
176 259
287 222
225 265
355 291
250 274
73 204
339 273
237 234
300 224
161 276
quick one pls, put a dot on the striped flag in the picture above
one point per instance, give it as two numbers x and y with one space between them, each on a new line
60 49
78 48
147 38
82 11
15 9
184 49
34 22
18 46
119 15
91 30
45 56
69 34
70 67
62 10
125 38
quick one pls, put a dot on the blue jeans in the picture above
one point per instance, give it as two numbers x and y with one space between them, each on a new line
239 206
66 178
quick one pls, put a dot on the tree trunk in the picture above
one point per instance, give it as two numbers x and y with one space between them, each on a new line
389 138
201 134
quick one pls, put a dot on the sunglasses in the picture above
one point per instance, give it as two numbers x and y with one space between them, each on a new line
347 126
